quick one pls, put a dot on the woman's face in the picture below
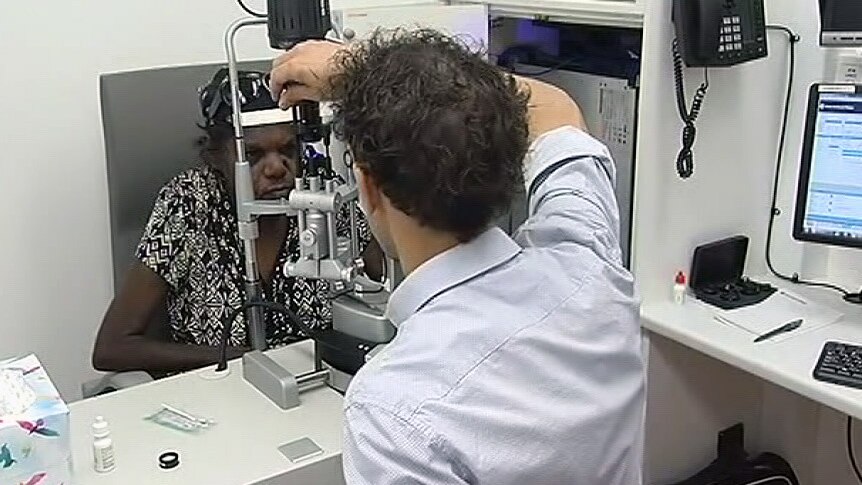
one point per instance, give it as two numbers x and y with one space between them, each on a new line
271 151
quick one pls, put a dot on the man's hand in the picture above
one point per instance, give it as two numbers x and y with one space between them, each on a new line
303 73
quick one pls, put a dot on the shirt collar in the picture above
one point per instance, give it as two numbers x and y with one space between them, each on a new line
449 269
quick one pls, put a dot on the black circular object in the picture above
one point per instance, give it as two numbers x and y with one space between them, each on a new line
169 460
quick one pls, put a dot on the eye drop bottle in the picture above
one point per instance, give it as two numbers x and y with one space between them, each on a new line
679 288
103 446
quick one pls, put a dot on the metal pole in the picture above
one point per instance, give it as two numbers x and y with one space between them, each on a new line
248 228
312 379
318 360
354 233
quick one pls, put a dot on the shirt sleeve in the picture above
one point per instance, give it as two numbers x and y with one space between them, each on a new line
381 448
163 244
570 180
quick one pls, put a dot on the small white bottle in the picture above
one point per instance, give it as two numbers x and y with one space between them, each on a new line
679 288
103 446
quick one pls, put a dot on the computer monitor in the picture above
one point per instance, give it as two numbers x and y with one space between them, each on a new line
840 23
829 196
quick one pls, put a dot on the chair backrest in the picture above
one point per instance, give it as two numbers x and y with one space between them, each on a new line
150 125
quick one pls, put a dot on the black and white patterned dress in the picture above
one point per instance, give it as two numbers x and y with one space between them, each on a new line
191 241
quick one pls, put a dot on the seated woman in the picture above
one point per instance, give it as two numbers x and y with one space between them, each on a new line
189 270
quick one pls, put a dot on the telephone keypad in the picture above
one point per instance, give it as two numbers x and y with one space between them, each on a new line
730 39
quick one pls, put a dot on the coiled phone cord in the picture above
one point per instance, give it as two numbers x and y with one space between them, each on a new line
685 158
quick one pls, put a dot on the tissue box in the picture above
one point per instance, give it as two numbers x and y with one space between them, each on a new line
34 442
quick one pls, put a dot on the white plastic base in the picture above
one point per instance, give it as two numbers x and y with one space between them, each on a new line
210 374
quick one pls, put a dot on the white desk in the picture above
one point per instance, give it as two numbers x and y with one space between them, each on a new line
242 448
788 363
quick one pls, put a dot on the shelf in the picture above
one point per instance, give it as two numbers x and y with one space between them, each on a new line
610 13
788 363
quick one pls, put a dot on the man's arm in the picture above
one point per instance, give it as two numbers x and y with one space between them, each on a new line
381 448
570 178
122 343
550 108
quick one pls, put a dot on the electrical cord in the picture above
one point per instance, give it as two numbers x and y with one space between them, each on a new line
685 158
267 305
850 453
250 11
766 480
793 39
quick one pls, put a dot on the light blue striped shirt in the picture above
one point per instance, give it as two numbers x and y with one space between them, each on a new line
516 361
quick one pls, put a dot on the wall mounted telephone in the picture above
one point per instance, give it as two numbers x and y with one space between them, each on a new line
711 33
720 32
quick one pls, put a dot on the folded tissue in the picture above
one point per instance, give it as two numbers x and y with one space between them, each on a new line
34 426
15 395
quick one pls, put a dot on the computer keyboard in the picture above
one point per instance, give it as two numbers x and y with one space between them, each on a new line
840 363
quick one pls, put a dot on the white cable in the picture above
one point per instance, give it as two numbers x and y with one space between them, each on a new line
767 480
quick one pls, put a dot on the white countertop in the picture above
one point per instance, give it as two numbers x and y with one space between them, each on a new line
241 448
788 363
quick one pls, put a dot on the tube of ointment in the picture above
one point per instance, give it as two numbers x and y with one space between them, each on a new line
174 418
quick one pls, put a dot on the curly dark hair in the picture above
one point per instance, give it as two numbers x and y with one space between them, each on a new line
441 131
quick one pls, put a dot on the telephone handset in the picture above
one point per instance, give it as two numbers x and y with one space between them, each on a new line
711 33
720 32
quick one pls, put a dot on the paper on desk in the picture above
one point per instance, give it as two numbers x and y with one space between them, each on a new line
780 308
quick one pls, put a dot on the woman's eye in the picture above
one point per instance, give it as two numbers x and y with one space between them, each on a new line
252 155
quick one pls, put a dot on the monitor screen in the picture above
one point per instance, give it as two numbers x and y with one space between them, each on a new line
829 197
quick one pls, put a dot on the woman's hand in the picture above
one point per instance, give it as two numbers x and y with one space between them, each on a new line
303 73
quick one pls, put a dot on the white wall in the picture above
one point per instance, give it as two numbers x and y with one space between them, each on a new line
54 245
734 156
55 275
691 397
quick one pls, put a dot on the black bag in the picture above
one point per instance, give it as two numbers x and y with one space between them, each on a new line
734 467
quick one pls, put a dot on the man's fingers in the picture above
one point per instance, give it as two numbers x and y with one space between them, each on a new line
290 73
279 78
287 68
293 52
296 93
302 72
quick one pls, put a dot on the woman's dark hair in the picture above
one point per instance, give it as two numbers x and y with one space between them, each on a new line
441 131
214 145
217 112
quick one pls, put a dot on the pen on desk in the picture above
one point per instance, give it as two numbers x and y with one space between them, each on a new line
726 321
787 327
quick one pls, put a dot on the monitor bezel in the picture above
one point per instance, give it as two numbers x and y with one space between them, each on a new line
799 233
832 37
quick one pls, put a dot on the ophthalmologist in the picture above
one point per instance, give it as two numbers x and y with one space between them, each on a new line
517 360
